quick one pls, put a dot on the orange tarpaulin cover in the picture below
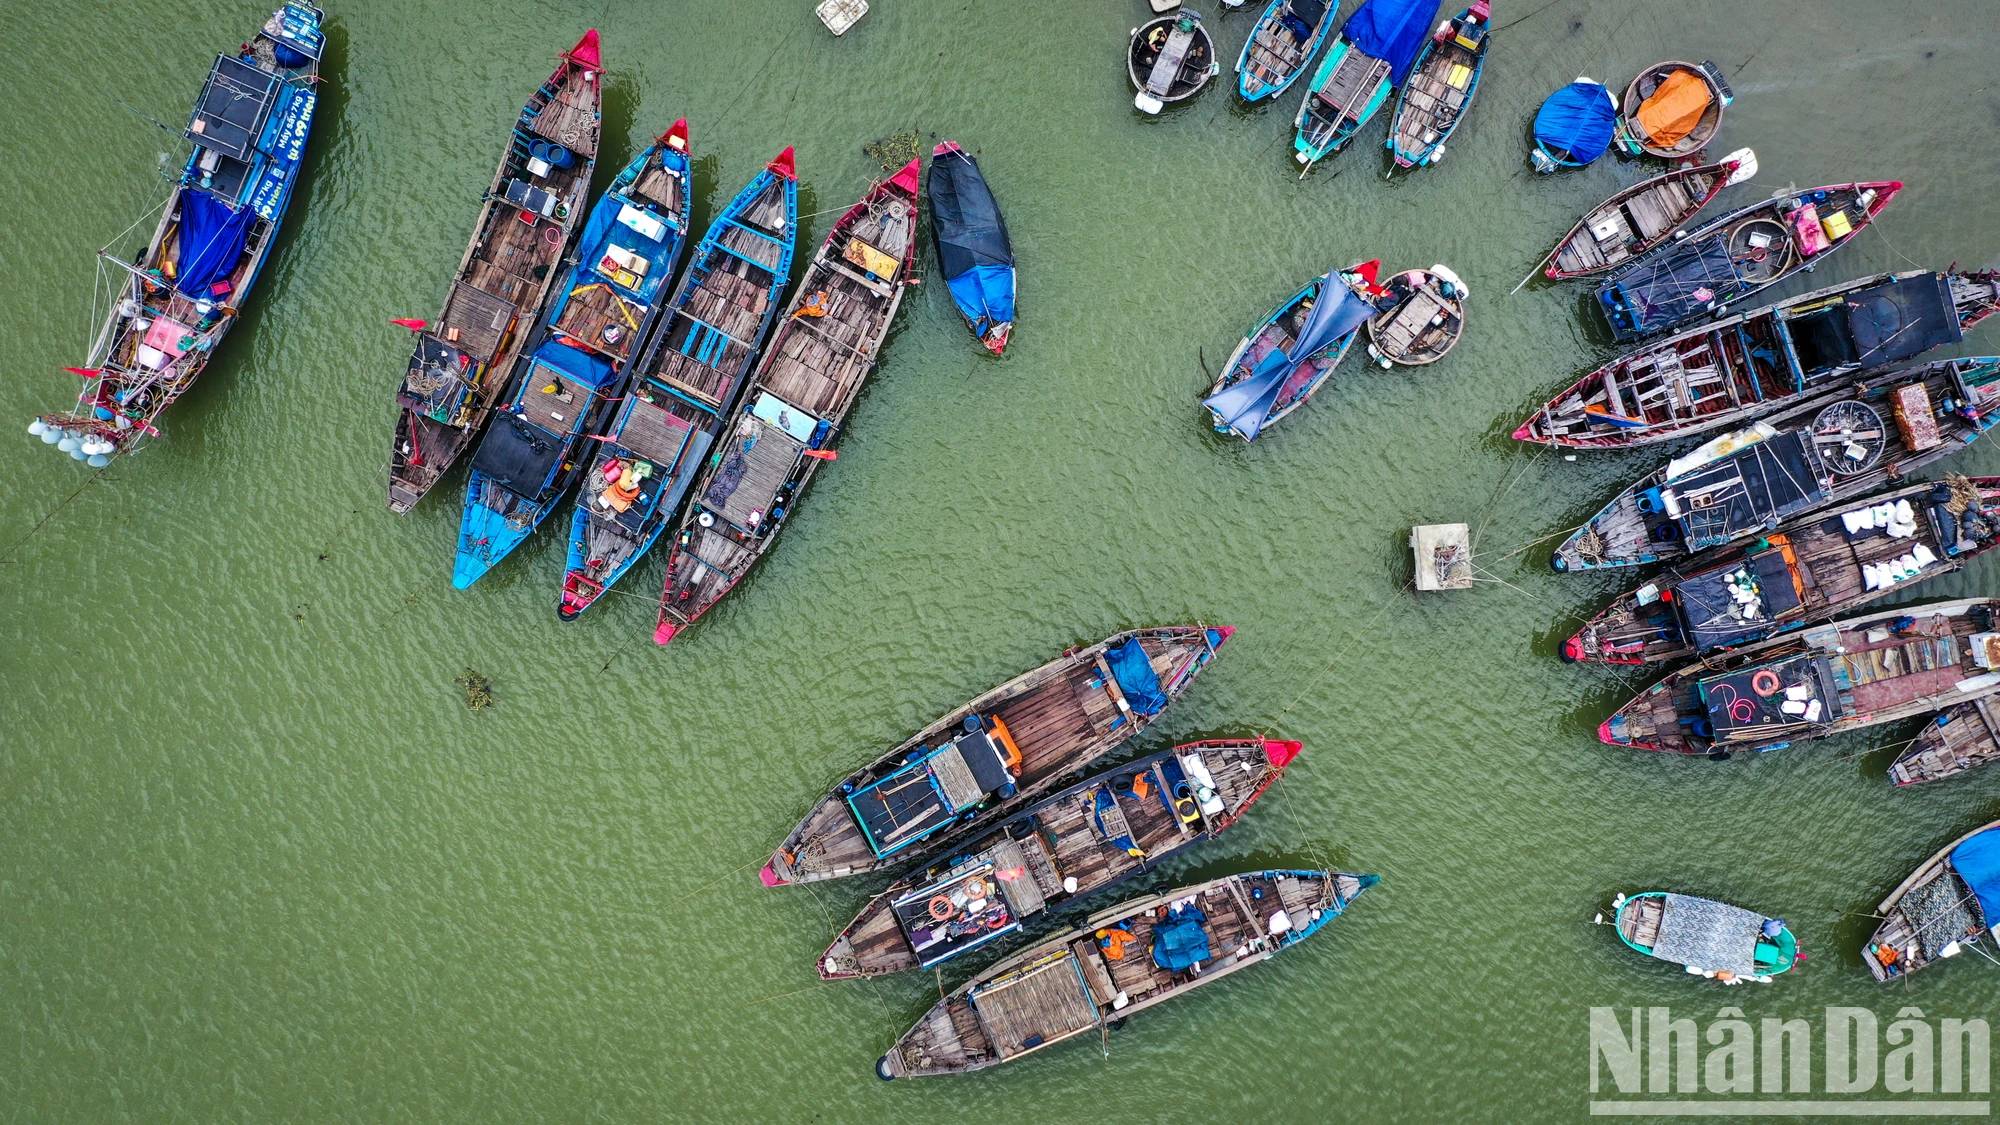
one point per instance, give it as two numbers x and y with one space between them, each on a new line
1674 109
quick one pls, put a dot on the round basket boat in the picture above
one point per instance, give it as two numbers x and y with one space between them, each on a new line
1663 129
1188 65
1424 322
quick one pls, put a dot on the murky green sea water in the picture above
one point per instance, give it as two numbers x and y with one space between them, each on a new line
259 863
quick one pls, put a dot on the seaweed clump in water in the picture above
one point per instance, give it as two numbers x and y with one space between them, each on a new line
895 150
478 690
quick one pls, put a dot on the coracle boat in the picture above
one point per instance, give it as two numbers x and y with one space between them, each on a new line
1574 126
1808 570
192 283
604 309
1053 854
1121 961
685 385
1437 96
1673 110
1737 256
795 401
1944 906
1282 361
1711 939
974 253
1825 451
1377 47
1284 41
1960 738
1643 216
1830 679
1170 60
987 759
532 211
1422 317
1745 366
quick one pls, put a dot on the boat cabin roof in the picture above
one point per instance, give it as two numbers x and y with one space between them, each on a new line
1749 703
927 794
1734 495
235 102
1870 327
1740 601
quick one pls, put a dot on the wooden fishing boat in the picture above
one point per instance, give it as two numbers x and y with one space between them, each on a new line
980 763
1643 216
1809 569
1958 739
605 308
532 211
974 253
1737 256
1285 359
1743 367
1574 126
179 299
795 401
1884 667
685 385
1120 962
1673 110
1825 451
1438 95
1374 53
1711 939
1424 318
1284 41
1053 854
1943 907
1170 60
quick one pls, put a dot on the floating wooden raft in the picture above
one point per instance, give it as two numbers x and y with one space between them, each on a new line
532 212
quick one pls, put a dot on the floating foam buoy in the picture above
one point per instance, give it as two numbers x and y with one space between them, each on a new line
98 461
37 427
67 445
79 455
51 435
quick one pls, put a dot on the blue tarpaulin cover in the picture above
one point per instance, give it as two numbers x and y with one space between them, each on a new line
973 248
211 241
1136 678
585 368
1179 941
1577 119
1977 861
1244 405
1393 31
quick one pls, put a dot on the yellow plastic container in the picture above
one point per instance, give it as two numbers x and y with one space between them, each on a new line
1459 76
1837 226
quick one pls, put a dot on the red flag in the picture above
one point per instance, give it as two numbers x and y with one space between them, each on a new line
86 372
412 325
823 454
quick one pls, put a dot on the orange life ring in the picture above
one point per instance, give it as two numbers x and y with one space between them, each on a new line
974 887
1765 682
941 908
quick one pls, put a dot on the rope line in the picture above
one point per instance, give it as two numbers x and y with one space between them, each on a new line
92 479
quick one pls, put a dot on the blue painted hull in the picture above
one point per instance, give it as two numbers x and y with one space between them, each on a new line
1312 145
1417 157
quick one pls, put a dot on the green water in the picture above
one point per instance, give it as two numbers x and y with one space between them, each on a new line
259 863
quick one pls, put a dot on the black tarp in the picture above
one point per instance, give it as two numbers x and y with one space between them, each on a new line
236 99
518 455
1903 318
1741 713
1705 601
1746 491
965 218
1663 291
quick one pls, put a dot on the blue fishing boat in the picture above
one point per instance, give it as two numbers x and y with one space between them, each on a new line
604 308
974 253
1574 126
182 295
684 384
1284 41
1282 361
1439 92
1377 47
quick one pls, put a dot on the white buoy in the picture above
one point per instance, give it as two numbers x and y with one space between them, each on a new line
67 445
37 426
51 436
79 454
99 460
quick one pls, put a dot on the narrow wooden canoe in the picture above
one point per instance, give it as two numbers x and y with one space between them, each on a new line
1737 256
1426 321
1376 48
603 311
1643 216
1434 101
179 298
1281 46
1057 852
532 212
1255 391
1959 739
1690 99
1884 667
1711 939
975 256
942 783
795 402
1120 962
1946 904
1170 60
1809 569
685 386
1825 451
1743 367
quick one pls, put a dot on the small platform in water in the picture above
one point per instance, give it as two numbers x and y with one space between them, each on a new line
1444 556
